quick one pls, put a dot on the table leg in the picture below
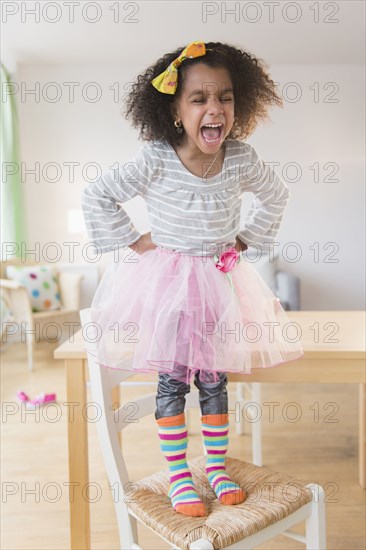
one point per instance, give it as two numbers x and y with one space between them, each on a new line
78 455
362 437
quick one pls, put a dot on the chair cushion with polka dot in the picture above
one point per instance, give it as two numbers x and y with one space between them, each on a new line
41 283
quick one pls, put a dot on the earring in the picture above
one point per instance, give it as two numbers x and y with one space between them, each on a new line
179 126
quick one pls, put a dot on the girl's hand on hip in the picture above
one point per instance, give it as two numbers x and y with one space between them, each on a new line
240 246
143 244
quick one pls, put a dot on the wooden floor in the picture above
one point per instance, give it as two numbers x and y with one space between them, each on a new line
321 446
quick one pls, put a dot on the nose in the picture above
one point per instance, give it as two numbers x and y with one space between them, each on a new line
214 106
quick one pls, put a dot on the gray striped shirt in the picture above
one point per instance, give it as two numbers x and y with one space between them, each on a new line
187 213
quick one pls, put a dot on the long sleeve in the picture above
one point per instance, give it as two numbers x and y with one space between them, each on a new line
107 223
271 196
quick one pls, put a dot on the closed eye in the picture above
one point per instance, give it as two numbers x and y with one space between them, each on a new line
223 99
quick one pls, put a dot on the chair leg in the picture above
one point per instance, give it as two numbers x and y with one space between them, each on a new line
315 523
257 426
30 347
128 533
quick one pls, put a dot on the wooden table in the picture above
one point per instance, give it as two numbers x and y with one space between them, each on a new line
334 346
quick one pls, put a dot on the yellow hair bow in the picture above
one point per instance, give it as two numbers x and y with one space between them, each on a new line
166 82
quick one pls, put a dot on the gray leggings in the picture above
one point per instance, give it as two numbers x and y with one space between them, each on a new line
170 397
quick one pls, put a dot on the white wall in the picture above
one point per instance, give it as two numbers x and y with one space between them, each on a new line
304 132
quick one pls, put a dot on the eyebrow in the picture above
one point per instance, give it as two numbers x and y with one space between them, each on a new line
195 92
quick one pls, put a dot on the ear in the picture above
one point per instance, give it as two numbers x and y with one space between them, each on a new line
173 111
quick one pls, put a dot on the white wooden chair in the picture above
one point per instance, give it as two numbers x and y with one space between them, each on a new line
275 501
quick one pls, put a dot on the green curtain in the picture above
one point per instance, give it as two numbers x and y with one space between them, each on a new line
12 211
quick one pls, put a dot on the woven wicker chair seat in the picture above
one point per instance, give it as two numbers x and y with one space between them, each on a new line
271 496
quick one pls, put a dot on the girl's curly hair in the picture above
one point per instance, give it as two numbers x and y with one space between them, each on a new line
254 90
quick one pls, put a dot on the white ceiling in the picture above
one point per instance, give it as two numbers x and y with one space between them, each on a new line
147 29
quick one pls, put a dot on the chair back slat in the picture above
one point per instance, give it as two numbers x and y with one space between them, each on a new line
133 411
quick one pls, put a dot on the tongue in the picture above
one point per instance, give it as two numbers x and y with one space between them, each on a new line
210 133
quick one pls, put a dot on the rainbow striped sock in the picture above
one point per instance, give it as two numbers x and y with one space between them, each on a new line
215 430
173 444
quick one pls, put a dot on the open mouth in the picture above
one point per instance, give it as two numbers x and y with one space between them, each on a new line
211 133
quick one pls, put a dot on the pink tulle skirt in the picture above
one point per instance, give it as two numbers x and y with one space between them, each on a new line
168 312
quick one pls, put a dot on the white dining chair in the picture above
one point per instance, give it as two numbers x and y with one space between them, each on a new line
275 501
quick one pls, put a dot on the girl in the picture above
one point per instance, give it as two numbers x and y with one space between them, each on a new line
188 307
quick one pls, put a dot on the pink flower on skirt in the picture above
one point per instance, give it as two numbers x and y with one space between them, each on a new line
227 260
